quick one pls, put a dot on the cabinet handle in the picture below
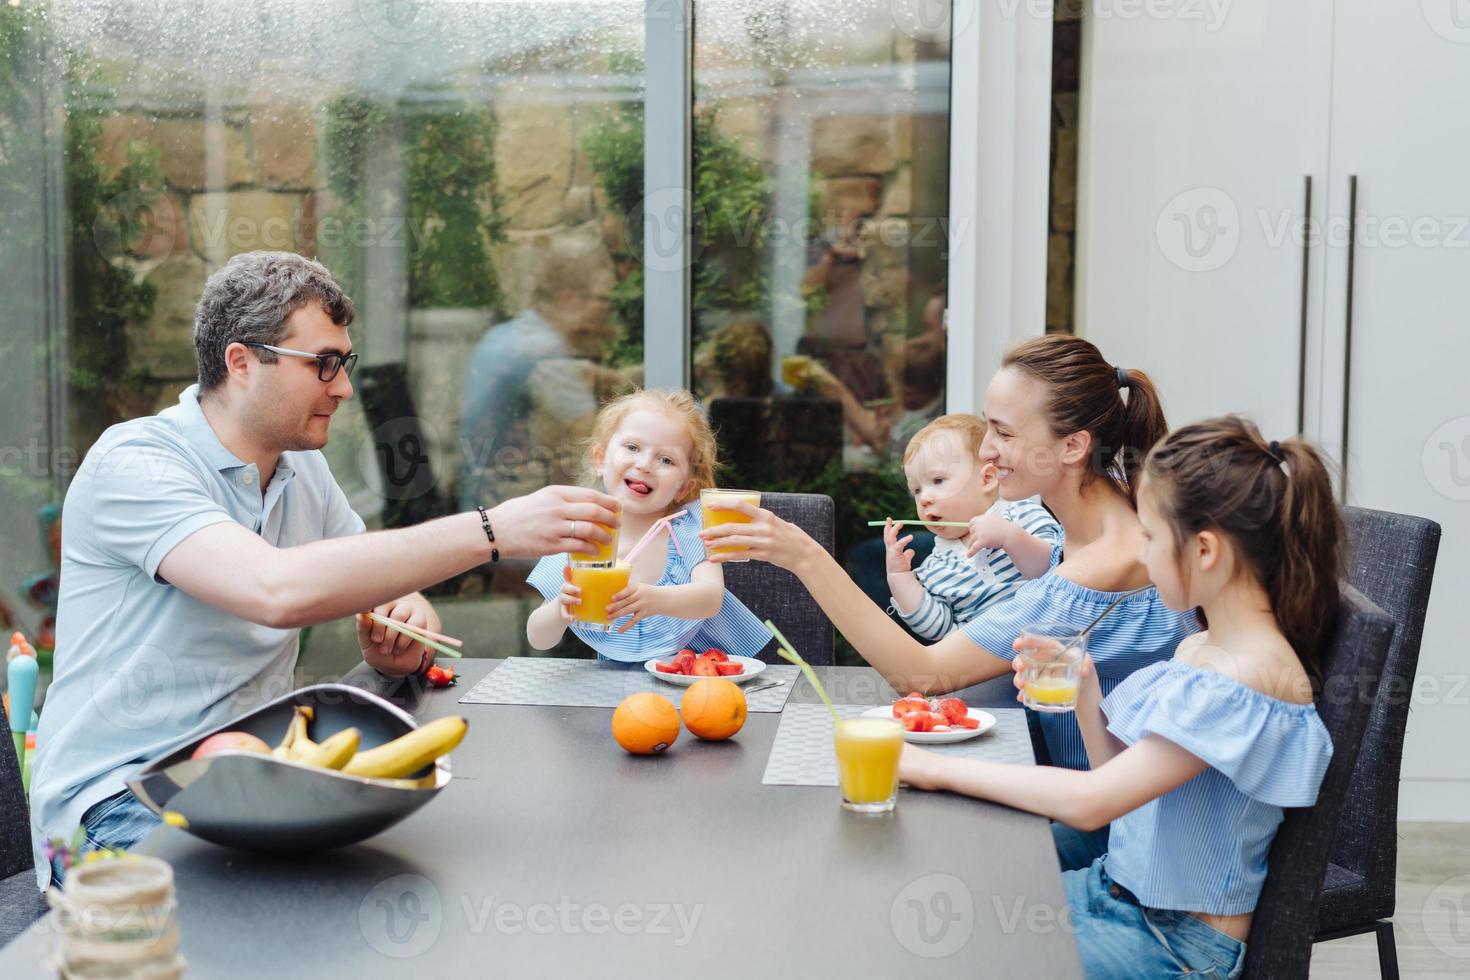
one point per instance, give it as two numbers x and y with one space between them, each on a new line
1347 356
1301 369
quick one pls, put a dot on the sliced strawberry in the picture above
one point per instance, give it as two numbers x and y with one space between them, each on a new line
718 654
705 668
968 722
729 669
953 709
923 721
667 668
903 706
441 676
909 723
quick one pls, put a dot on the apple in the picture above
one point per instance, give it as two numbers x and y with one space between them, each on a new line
237 741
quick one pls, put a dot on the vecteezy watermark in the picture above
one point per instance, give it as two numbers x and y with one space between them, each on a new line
668 219
1036 918
397 21
934 20
1450 19
1446 459
1210 14
1199 230
140 692
933 916
566 917
402 458
1446 917
1367 229
137 222
36 460
401 916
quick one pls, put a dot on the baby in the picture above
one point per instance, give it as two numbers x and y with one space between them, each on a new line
971 567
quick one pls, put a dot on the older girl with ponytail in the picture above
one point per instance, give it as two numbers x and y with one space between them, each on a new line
1194 758
1069 426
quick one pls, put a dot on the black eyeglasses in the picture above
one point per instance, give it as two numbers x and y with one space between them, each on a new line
327 365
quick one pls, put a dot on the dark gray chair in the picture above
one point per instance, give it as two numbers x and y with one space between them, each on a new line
1285 921
775 594
20 902
1392 563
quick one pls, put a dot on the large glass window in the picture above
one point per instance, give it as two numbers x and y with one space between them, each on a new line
472 172
821 171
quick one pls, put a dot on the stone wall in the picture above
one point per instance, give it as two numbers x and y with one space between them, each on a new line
246 181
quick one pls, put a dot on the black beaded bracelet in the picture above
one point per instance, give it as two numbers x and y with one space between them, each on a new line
485 523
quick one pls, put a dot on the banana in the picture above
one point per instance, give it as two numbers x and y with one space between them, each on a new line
299 743
334 752
296 740
411 752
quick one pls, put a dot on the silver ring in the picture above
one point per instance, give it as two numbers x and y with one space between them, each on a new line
573 532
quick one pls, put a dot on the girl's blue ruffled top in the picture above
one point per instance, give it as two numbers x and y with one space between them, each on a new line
734 629
1202 847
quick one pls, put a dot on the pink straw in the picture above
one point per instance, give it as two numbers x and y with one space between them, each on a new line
662 522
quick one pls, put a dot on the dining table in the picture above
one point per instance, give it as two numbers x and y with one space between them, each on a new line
553 852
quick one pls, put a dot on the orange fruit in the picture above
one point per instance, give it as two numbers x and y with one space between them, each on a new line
714 708
645 723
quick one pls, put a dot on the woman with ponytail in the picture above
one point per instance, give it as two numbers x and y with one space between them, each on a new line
1067 425
1194 758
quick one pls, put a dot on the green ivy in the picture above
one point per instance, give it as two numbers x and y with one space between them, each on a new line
450 179
104 295
732 196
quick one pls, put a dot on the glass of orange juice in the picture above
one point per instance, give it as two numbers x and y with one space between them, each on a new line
714 518
796 371
606 554
599 583
867 762
1051 671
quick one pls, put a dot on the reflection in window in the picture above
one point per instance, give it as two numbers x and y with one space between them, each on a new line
439 157
821 204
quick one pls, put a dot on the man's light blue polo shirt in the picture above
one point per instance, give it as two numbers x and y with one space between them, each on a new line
141 667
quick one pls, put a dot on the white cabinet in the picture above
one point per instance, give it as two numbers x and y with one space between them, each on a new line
1195 264
1401 127
1198 139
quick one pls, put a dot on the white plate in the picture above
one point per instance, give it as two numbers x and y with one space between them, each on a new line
986 719
752 668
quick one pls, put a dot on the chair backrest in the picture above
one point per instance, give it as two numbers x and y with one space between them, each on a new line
1285 921
1391 561
15 816
775 594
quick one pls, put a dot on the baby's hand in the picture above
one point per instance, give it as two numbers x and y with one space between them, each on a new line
898 556
570 598
988 531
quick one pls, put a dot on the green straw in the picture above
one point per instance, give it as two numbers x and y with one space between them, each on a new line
408 631
907 520
788 652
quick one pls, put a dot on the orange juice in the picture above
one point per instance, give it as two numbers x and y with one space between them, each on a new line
796 370
606 554
598 584
867 762
1056 693
714 518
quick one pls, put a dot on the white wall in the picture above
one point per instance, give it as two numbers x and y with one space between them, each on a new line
1000 148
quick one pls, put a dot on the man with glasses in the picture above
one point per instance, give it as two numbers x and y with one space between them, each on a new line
198 542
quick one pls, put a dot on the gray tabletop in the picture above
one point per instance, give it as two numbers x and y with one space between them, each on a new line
554 851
